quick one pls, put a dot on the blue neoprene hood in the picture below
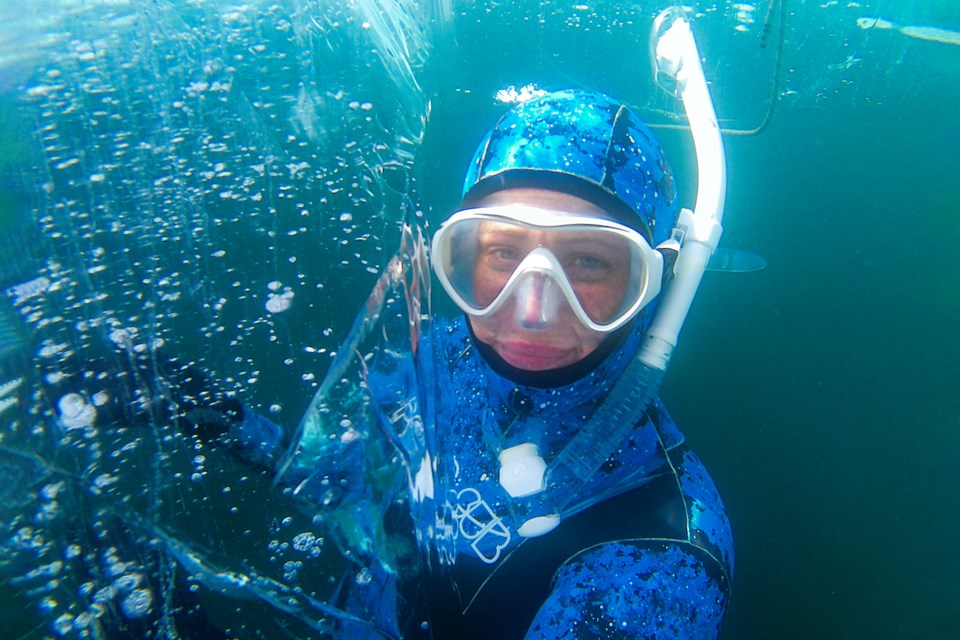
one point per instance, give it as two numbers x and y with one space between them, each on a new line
584 143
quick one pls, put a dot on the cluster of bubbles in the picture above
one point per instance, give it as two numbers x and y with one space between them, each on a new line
214 183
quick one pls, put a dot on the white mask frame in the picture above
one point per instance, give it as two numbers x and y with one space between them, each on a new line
542 261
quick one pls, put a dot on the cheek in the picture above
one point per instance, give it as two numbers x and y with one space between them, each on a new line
486 329
602 302
596 306
486 286
588 340
483 292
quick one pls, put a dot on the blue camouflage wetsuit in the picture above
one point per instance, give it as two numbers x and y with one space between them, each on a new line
645 551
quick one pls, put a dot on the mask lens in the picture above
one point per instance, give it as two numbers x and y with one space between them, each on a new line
603 269
486 259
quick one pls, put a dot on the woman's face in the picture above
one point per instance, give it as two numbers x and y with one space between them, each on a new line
533 346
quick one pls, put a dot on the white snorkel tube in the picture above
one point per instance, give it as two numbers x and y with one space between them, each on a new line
550 490
677 65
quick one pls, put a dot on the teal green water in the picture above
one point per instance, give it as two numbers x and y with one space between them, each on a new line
820 392
828 382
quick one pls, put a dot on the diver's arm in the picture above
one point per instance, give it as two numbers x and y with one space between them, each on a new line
219 418
241 430
632 589
131 388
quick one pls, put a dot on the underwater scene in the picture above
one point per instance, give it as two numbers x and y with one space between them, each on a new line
240 196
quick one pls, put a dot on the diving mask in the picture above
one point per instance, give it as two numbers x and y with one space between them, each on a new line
542 261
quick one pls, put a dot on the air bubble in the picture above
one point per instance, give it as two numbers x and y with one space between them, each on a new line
364 577
137 604
75 412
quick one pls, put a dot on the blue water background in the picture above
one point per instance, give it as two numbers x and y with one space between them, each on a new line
820 392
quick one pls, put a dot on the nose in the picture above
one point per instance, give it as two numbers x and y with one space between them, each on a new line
537 301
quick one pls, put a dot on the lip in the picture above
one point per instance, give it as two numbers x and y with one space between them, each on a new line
533 356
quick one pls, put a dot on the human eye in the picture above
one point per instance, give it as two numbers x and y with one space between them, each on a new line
591 263
502 257
586 268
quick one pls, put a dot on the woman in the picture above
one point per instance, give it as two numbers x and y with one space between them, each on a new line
533 521
550 259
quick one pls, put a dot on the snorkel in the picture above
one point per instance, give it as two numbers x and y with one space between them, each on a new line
696 235
678 70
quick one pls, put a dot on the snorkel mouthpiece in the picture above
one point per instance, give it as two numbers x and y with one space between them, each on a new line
522 470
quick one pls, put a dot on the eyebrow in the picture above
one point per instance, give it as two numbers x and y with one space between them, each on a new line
505 232
602 242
